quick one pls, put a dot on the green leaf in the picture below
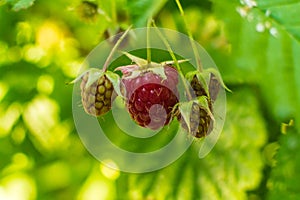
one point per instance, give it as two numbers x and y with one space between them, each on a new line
283 12
284 181
260 58
236 158
142 10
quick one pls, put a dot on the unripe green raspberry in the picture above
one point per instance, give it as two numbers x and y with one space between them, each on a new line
97 98
201 123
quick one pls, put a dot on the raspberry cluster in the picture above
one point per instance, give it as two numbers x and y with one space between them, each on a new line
151 96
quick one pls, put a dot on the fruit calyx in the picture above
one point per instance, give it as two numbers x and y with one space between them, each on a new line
142 66
209 80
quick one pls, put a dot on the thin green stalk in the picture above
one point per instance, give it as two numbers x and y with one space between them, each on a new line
180 7
166 43
114 49
113 11
148 41
195 50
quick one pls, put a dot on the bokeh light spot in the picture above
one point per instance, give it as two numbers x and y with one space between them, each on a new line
9 118
71 69
3 90
45 84
17 186
18 134
33 53
48 35
94 190
110 170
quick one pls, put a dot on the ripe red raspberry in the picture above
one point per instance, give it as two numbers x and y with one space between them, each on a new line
150 98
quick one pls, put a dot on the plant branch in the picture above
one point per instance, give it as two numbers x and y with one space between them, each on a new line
114 49
166 43
195 50
148 41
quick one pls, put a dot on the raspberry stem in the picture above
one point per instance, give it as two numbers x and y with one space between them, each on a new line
195 50
166 43
108 59
148 41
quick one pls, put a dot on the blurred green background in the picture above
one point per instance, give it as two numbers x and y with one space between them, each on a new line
256 46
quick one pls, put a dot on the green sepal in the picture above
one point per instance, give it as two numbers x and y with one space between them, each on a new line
202 78
115 80
218 76
159 71
185 109
77 78
133 74
95 73
139 61
202 101
189 76
157 68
